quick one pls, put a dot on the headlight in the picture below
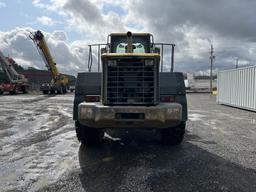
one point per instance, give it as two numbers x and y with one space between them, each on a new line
172 111
87 113
112 63
149 62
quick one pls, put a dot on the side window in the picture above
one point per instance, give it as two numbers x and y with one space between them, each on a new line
121 47
138 48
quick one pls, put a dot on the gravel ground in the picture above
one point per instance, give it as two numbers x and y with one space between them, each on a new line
39 151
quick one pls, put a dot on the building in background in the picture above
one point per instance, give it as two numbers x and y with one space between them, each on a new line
37 77
198 83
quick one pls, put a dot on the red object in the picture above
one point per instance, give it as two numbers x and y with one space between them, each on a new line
92 98
13 88
167 98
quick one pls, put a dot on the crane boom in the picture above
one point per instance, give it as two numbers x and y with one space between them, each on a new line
60 83
44 51
16 82
11 73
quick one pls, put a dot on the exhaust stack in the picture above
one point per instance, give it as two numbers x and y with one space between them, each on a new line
129 42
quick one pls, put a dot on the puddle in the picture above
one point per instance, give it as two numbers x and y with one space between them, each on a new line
196 117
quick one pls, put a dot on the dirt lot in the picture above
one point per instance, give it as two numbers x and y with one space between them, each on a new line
39 151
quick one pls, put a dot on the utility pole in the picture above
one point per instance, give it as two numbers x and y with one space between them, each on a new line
172 62
162 57
212 57
236 63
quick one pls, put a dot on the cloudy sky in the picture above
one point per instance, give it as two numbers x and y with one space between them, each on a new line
70 25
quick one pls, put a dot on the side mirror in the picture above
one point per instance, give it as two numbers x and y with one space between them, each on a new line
157 50
103 50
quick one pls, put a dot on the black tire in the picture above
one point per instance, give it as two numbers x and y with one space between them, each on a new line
64 89
45 92
60 91
52 92
13 92
173 135
24 91
88 136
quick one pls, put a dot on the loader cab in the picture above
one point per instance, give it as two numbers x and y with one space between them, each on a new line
141 42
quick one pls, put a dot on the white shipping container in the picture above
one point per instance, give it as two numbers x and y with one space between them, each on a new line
237 87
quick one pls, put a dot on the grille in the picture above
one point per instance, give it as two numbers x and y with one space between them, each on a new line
130 82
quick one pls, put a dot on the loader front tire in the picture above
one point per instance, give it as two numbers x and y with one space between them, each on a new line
88 136
173 135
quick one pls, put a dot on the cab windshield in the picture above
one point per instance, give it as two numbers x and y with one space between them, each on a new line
137 48
141 44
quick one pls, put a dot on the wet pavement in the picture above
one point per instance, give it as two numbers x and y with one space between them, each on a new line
39 151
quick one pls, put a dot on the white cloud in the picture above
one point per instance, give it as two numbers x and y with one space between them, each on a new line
59 35
86 17
2 4
70 57
38 3
190 25
44 20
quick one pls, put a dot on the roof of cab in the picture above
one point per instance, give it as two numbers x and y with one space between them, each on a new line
134 34
130 54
